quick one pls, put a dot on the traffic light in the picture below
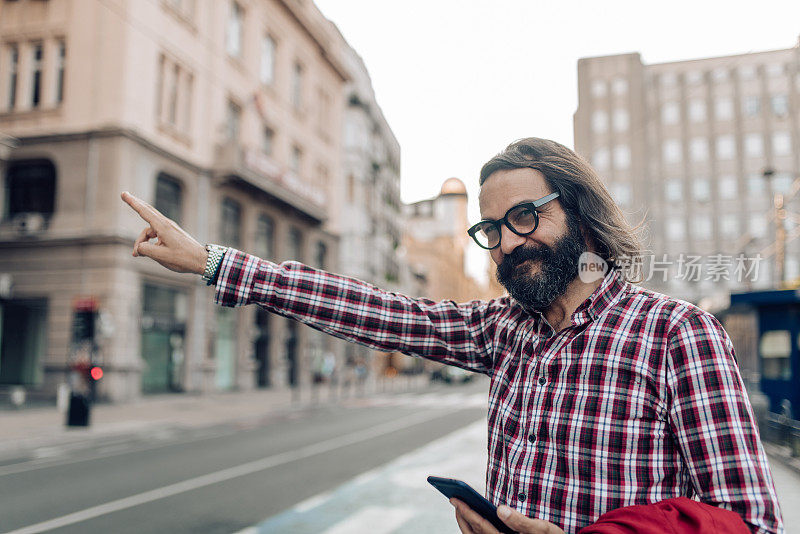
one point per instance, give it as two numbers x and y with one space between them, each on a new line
96 373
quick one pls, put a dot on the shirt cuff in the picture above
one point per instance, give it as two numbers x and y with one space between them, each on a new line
235 279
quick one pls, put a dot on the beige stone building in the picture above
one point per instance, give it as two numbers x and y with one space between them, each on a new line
436 241
227 115
684 145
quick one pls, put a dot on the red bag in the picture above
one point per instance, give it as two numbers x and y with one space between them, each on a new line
671 516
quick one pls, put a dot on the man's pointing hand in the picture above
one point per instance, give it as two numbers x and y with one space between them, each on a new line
174 248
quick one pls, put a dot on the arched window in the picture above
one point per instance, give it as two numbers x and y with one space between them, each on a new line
30 188
169 197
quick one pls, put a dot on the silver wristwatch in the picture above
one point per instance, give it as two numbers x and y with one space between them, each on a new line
215 255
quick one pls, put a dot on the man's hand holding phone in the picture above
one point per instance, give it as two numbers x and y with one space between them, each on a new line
470 522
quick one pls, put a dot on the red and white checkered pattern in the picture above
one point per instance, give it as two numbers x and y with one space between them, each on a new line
638 401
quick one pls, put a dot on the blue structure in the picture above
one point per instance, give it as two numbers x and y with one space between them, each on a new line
778 344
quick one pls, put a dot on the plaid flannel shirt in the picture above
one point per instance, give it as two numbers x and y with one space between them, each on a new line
639 400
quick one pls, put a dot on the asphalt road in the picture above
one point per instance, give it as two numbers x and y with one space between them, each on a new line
218 480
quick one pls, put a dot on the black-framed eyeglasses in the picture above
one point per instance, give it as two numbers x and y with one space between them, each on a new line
522 219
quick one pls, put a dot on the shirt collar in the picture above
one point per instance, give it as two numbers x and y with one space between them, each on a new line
601 299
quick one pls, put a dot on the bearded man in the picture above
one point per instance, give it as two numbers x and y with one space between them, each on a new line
603 395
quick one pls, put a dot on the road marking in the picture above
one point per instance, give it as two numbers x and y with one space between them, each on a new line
232 472
373 519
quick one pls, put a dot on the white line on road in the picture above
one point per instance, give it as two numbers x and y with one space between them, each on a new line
230 473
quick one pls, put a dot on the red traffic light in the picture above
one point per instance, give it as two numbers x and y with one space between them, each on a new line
96 373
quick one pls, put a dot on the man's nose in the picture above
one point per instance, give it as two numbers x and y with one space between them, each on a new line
509 241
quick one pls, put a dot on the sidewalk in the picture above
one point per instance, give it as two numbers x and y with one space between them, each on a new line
25 430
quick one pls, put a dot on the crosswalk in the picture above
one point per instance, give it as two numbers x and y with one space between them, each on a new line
394 498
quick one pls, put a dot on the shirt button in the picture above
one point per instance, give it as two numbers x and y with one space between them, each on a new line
542 381
522 496
531 437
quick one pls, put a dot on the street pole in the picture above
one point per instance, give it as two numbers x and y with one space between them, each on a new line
780 239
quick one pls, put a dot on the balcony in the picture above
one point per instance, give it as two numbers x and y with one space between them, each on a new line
252 168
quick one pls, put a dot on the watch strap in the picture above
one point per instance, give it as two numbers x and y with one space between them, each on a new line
215 255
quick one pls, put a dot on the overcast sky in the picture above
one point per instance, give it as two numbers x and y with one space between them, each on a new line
460 79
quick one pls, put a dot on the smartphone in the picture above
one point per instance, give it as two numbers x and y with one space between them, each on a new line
450 487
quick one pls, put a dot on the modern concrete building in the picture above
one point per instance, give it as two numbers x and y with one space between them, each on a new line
227 115
684 145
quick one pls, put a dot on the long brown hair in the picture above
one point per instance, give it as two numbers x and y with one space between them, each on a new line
581 194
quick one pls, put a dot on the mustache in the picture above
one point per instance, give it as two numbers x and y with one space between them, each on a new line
522 254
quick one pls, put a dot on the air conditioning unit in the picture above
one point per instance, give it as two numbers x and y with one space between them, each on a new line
29 223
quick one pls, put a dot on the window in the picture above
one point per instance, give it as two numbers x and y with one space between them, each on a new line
620 120
729 225
267 67
781 182
324 111
755 184
676 230
297 86
758 225
775 348
172 106
601 159
231 223
13 75
781 144
174 86
747 72
702 227
268 141
619 86
723 109
168 197
670 113
751 106
694 77
754 145
668 79
233 119
36 75
726 147
697 111
727 187
235 30
701 188
622 156
295 244
720 74
672 151
264 246
60 60
698 149
774 70
599 121
780 105
621 193
321 255
673 190
598 88
30 187
296 159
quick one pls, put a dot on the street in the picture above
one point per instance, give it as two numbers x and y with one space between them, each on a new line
355 466
228 478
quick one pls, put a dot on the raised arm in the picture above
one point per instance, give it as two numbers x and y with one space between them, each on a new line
457 334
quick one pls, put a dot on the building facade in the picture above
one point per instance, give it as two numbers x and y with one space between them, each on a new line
227 116
683 146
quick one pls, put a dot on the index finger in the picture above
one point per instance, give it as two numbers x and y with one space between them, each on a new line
145 210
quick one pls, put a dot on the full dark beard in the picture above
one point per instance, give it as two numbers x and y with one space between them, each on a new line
558 267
